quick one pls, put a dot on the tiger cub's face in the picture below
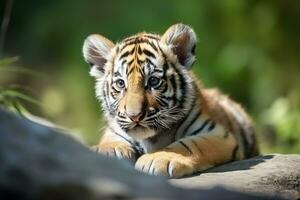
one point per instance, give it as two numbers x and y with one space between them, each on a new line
142 81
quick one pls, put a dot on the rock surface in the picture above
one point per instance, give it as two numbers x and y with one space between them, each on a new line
278 175
37 162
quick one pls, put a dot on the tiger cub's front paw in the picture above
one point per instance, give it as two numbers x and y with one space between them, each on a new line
167 164
118 150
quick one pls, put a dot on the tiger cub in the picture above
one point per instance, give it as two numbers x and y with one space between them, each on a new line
158 113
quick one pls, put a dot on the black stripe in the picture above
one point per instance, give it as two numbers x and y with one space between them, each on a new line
113 95
197 115
173 83
247 153
186 147
182 86
136 41
123 62
101 69
130 71
125 45
114 89
253 151
165 66
122 121
167 98
196 145
125 54
117 74
141 71
201 128
130 62
164 55
139 50
233 154
157 70
243 132
129 39
150 62
149 53
121 116
162 103
151 37
153 46
212 126
133 50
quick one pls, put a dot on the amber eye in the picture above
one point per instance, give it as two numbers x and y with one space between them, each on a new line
153 81
120 83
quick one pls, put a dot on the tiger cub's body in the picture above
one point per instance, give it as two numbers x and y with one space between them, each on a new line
158 114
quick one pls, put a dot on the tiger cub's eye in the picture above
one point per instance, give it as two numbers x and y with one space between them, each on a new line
153 81
120 83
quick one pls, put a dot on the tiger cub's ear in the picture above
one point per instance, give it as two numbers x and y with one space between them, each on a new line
182 39
96 49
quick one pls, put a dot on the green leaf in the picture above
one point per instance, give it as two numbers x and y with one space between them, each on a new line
17 94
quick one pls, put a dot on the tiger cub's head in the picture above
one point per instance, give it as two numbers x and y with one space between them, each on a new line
143 81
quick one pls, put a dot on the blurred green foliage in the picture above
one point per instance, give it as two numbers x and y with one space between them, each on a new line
250 49
12 95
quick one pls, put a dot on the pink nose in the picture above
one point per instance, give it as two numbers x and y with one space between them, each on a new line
135 117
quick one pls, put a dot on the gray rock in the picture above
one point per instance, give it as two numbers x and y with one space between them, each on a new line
37 162
278 175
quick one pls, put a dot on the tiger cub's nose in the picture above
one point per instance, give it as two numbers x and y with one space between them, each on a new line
135 117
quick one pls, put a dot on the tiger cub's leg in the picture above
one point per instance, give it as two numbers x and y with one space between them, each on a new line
190 155
114 145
